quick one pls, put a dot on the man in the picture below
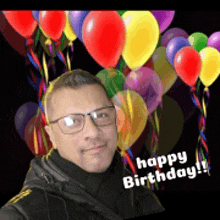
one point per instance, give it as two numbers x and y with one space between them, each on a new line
81 176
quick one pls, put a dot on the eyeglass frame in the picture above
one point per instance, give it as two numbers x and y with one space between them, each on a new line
84 115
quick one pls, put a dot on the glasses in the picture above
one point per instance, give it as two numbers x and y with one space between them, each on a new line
75 122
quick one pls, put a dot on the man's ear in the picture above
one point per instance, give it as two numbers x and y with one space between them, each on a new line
50 134
47 129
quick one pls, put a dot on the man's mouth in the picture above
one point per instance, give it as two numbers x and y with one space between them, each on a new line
95 149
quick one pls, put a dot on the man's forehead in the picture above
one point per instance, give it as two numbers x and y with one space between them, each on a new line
67 100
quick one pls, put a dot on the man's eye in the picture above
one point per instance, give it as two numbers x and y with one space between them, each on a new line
102 115
71 122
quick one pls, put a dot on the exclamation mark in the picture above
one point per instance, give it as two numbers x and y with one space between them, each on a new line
198 167
205 167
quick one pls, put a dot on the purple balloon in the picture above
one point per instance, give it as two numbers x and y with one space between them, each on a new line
146 82
214 40
23 116
76 20
173 46
171 33
164 18
36 15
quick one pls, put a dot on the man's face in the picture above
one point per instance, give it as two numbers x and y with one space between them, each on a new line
80 148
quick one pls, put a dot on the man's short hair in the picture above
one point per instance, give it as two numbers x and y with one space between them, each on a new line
71 79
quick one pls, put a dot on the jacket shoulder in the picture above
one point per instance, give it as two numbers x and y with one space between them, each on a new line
29 201
8 212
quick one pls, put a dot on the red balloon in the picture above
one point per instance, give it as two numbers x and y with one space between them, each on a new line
52 23
103 33
29 136
188 65
22 21
149 64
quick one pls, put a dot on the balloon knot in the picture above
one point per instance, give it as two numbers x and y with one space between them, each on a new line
48 41
206 89
193 88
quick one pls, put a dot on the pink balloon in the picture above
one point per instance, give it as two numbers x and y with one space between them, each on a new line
146 82
164 18
171 33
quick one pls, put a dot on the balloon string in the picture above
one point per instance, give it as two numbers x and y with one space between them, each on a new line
69 58
127 159
60 54
45 66
39 85
202 140
35 141
51 61
130 162
155 141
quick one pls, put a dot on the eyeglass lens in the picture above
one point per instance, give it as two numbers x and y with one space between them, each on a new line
74 123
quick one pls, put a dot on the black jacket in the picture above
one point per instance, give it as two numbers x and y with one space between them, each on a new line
49 193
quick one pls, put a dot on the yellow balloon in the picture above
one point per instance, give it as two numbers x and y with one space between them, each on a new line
210 65
134 117
68 29
162 67
142 35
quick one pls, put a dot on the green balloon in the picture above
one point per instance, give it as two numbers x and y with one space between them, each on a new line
113 80
198 40
121 12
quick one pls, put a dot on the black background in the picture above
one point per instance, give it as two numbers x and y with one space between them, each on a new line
181 196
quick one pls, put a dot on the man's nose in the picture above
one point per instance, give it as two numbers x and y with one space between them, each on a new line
90 128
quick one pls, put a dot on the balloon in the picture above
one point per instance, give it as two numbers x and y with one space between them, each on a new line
142 35
164 18
173 46
188 64
120 120
35 123
23 115
36 15
22 21
145 82
210 65
121 12
149 64
162 67
214 40
44 40
103 34
171 33
171 127
15 40
76 20
68 31
135 111
52 23
112 79
198 40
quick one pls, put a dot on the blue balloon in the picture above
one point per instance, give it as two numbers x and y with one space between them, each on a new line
24 115
36 15
173 46
76 20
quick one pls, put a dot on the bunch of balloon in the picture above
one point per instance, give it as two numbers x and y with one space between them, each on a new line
142 35
29 124
25 24
209 73
113 80
195 62
137 53
53 24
